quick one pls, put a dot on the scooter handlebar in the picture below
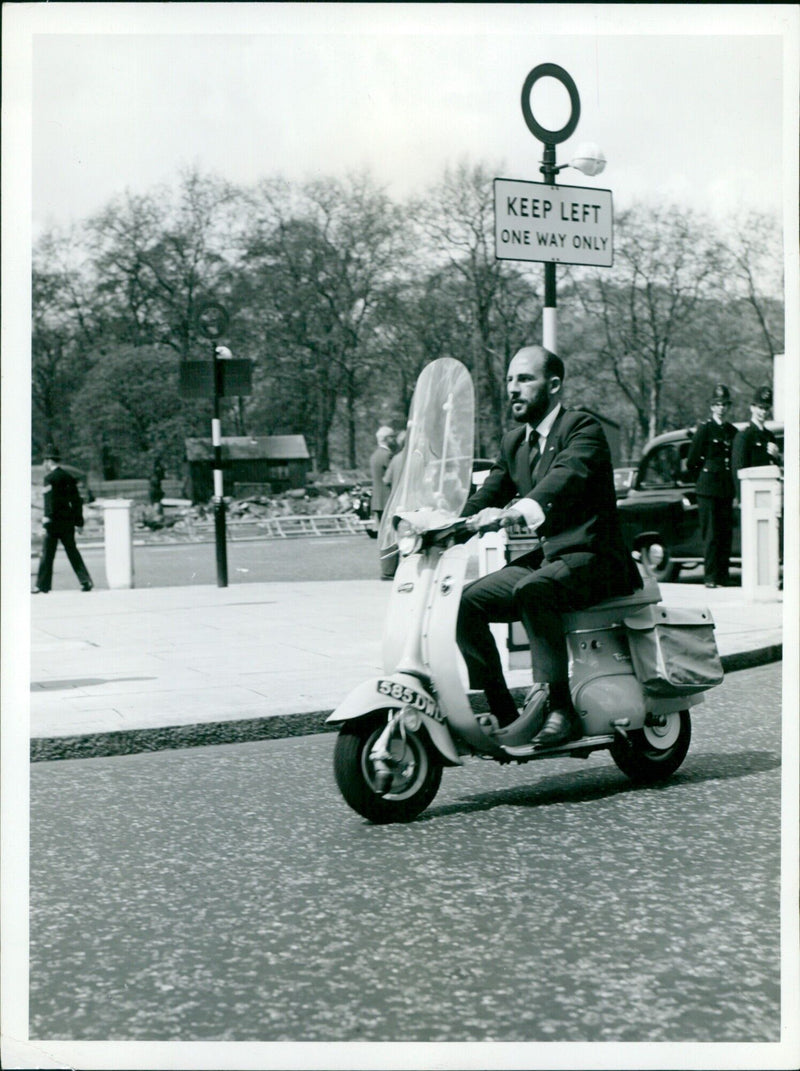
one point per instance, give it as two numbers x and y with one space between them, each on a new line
435 526
457 532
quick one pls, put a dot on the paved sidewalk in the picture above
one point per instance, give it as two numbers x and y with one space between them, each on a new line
141 669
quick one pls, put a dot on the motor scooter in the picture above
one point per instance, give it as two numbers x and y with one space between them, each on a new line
361 504
636 667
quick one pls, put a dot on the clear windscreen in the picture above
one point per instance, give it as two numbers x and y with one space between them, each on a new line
437 465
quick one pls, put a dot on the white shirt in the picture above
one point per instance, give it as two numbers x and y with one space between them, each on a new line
531 511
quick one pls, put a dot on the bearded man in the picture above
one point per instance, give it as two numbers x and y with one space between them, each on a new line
554 476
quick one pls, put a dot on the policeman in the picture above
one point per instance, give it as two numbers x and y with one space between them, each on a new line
756 445
63 513
709 463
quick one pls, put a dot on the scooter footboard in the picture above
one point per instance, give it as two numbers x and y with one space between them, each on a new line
394 692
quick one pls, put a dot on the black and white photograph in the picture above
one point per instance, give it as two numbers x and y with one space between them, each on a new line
400 536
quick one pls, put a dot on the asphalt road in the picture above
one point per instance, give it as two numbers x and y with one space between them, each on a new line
228 893
351 557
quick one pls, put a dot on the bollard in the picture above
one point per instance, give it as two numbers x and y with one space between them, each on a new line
118 538
761 505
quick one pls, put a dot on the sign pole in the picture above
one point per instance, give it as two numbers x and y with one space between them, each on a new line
549 139
219 501
549 329
545 222
212 320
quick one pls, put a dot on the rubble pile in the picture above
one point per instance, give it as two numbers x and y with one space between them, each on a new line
178 519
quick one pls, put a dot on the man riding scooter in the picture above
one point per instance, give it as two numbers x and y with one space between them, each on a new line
554 476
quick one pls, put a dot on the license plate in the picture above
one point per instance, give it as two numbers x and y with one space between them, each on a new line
411 698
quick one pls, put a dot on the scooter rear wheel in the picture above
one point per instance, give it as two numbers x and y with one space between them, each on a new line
655 752
415 778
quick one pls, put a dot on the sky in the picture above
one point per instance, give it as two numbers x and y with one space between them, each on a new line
686 103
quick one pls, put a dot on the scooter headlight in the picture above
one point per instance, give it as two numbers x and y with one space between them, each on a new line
412 719
408 538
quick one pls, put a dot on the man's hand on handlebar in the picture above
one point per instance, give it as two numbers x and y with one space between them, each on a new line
491 519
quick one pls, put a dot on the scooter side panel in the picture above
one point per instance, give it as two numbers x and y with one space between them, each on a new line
373 695
441 654
400 610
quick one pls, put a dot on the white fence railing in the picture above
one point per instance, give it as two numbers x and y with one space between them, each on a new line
281 527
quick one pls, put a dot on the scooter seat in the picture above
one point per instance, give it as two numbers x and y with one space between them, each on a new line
645 596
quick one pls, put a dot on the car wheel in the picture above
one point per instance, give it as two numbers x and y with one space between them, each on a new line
658 563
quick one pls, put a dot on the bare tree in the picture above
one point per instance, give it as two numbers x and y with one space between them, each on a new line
457 218
642 314
323 256
157 257
748 334
63 329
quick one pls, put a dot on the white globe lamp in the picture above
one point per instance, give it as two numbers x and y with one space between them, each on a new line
589 159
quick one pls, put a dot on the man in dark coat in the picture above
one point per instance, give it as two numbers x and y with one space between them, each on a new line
557 468
63 513
709 463
755 445
378 464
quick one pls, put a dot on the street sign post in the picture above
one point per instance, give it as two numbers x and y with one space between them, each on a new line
212 321
540 221
197 379
553 224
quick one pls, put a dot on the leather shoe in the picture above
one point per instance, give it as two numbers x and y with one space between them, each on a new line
87 586
530 721
561 727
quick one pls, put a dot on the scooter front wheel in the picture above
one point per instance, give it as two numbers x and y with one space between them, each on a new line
416 772
655 752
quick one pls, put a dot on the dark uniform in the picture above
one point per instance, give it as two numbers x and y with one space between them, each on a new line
750 447
709 463
63 513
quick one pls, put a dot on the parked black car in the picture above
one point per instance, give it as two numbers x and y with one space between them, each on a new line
659 513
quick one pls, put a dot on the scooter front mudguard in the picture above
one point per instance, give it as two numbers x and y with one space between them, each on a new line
392 693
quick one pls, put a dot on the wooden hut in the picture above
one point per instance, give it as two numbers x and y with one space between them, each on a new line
252 465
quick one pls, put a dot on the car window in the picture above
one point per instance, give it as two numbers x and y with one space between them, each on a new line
662 468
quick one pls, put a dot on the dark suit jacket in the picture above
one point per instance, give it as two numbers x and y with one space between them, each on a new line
63 505
709 459
574 485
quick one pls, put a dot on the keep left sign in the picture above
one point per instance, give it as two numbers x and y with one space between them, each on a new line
557 224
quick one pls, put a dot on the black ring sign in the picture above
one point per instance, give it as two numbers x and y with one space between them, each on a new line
212 319
551 70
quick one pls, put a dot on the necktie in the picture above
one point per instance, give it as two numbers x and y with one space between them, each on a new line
533 452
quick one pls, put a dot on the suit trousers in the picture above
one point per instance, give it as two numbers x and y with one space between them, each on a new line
716 530
536 592
66 533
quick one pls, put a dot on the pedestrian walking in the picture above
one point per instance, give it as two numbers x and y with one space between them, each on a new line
63 513
156 489
378 464
709 463
395 468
